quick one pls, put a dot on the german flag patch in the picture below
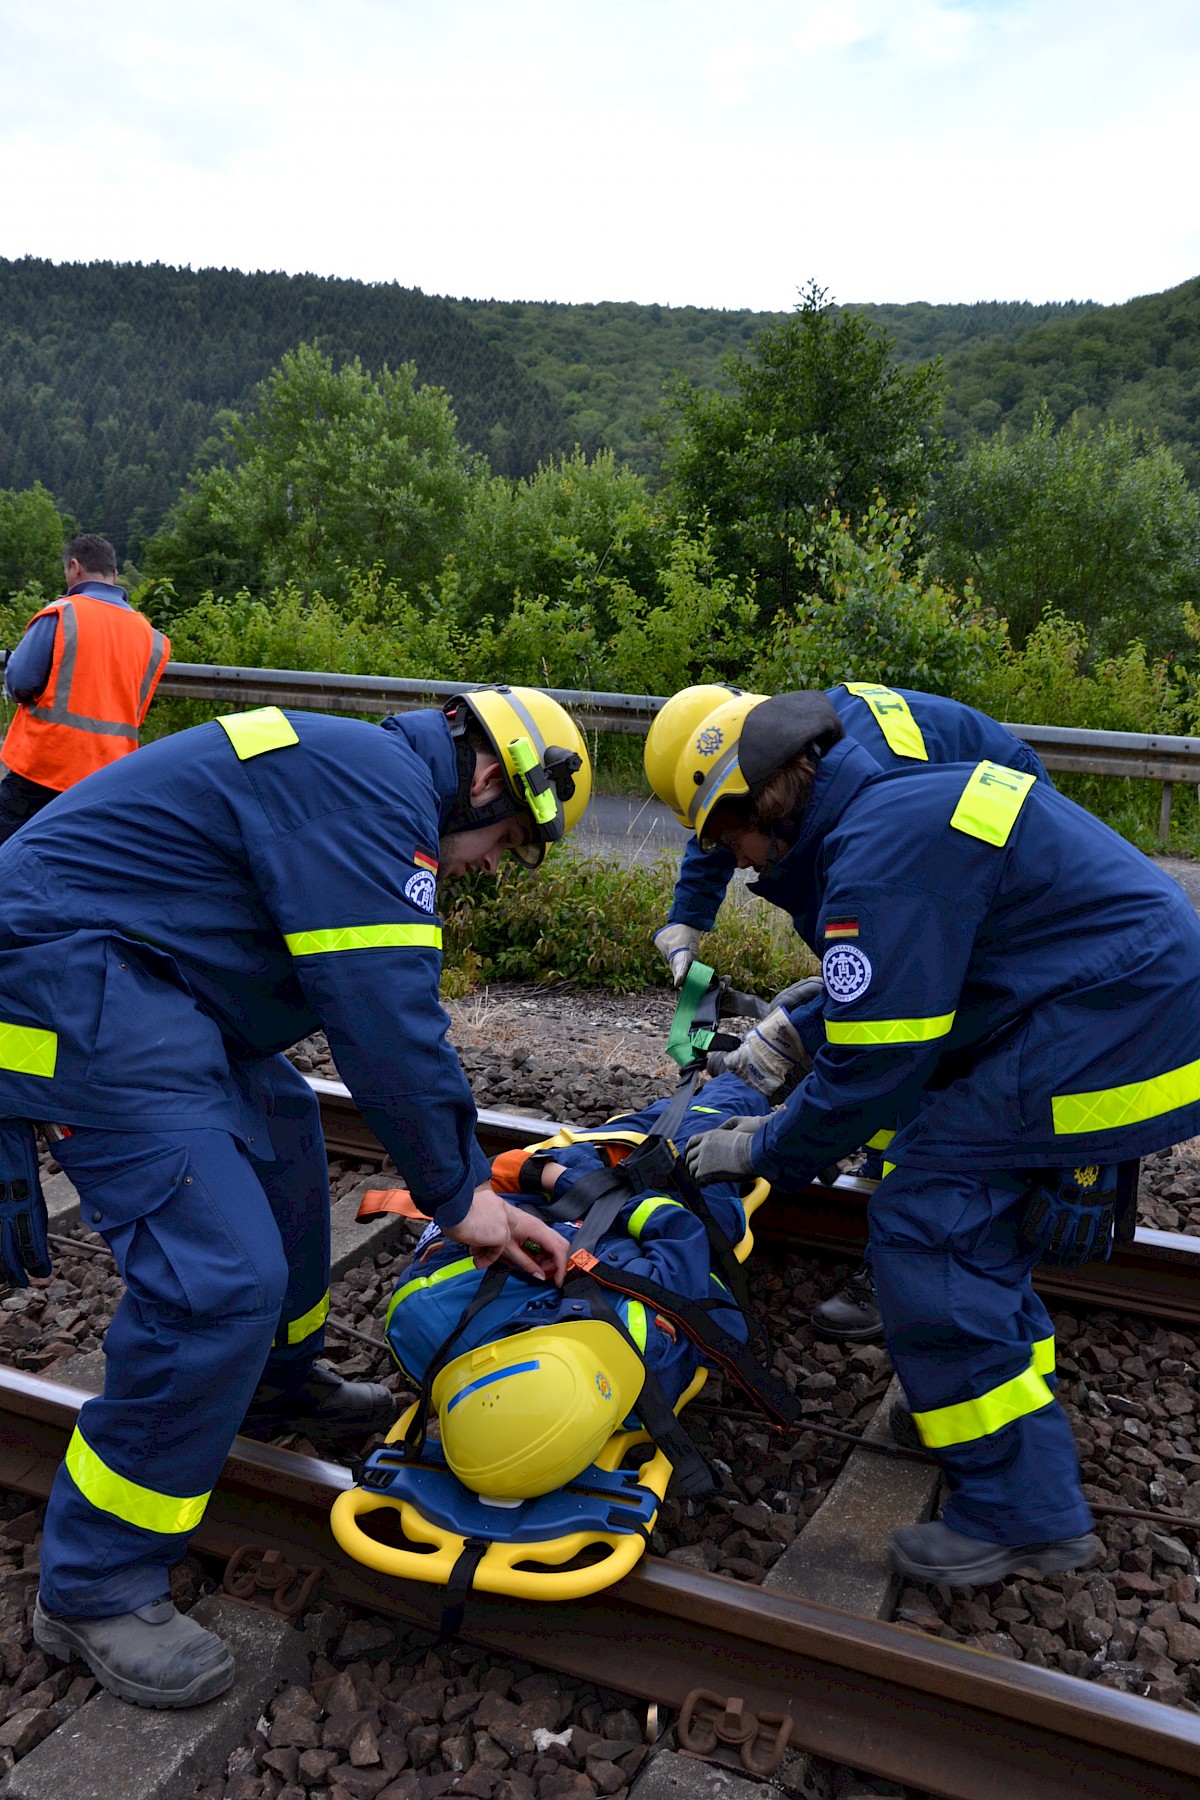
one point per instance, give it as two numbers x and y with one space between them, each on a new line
424 861
841 928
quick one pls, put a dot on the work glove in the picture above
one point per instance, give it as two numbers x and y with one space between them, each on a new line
768 1058
679 946
1070 1215
801 993
23 1248
723 1154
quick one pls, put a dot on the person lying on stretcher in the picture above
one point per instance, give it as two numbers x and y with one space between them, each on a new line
529 1381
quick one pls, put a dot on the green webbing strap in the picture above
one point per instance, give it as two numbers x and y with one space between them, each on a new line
682 1045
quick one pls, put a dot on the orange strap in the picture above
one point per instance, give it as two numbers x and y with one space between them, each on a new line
388 1200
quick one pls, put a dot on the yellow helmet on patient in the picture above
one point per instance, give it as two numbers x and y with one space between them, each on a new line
525 1414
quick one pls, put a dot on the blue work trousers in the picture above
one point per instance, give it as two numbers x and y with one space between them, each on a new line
973 1347
220 1253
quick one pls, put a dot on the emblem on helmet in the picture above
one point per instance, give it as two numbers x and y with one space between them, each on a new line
603 1386
710 740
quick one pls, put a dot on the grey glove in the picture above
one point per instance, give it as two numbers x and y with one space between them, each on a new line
768 1058
801 993
723 1154
679 946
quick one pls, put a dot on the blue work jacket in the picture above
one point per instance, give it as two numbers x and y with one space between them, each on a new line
219 895
900 729
1001 970
654 1236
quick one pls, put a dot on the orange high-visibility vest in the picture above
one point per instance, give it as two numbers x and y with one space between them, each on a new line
106 665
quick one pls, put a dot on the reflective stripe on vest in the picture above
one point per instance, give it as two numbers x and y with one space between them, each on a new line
1106 1109
969 1420
990 802
104 668
27 1050
307 1323
109 1492
424 1281
887 1031
894 717
635 1321
363 937
1043 1355
254 733
881 1140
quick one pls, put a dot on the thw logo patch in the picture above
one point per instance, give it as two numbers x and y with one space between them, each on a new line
421 889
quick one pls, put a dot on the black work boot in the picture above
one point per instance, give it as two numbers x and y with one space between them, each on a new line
851 1313
935 1553
316 1401
152 1656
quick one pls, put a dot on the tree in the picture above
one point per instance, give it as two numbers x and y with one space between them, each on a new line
1099 525
32 534
334 470
821 417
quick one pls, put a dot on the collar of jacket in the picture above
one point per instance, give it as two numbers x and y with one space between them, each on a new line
428 734
845 770
99 590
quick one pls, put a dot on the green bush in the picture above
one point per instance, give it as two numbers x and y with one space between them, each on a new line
591 922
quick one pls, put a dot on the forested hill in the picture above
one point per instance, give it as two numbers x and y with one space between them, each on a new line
606 364
1138 363
113 375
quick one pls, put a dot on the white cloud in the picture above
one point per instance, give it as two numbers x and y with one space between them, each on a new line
678 150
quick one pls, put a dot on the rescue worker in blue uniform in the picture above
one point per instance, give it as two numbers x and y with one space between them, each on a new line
166 929
654 1235
899 728
1023 988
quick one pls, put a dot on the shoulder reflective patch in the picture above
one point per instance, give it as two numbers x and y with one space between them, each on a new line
27 1050
1107 1109
894 717
363 937
421 889
887 1031
990 803
253 733
846 972
637 1219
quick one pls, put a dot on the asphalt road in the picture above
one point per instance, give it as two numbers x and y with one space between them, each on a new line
638 831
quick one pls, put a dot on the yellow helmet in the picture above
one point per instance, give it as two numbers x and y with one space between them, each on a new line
546 765
523 1415
706 768
672 725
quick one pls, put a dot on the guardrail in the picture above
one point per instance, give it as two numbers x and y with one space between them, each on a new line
1146 756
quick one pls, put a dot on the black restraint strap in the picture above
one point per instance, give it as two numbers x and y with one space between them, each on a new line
458 1586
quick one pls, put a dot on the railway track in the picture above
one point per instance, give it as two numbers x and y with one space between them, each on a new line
929 1713
933 1715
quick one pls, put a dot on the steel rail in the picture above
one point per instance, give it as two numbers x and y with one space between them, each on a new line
1157 1275
950 1720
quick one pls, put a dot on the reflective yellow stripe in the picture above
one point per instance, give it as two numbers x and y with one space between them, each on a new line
990 802
894 717
27 1050
112 1493
1043 1355
887 1169
635 1321
363 937
638 1218
252 733
307 1323
881 1140
424 1281
991 1412
1108 1108
887 1031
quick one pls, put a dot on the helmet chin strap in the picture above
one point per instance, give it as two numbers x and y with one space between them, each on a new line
464 814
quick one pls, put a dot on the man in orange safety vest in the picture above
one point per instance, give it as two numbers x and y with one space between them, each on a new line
83 677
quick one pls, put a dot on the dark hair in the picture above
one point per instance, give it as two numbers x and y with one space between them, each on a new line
93 553
782 799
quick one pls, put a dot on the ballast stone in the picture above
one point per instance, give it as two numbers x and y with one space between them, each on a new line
128 1752
673 1775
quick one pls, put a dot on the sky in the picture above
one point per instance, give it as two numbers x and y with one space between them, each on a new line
689 152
